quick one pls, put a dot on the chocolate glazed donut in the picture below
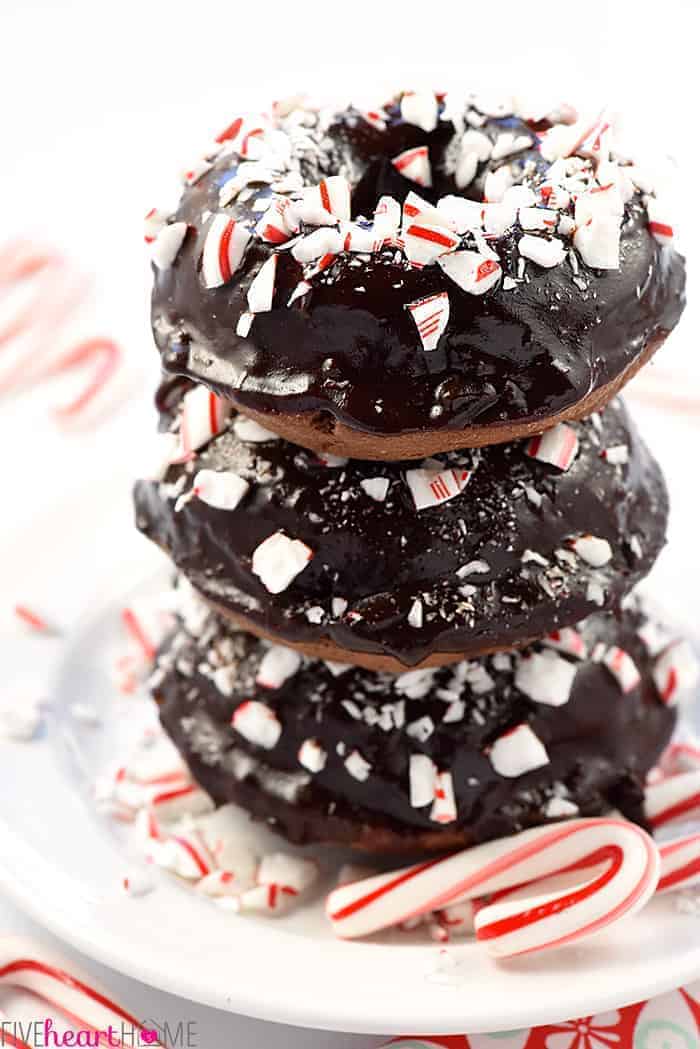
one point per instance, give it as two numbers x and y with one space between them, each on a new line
398 578
326 754
334 359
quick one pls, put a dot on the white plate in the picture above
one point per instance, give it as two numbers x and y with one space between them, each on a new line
60 862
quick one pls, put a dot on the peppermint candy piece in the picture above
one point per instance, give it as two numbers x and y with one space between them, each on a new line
327 202
245 323
420 108
461 214
414 164
659 225
425 242
433 485
622 667
248 430
387 218
430 316
616 455
262 288
196 171
279 223
598 242
471 271
422 776
497 183
475 147
153 223
278 560
317 245
568 640
593 550
377 118
415 614
358 768
545 677
415 209
292 873
224 248
545 252
257 723
507 143
517 751
204 415
558 446
167 244
542 219
221 489
444 808
278 665
312 756
675 671
376 488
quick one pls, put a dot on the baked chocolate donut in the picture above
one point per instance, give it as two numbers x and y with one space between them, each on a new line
392 565
343 755
307 276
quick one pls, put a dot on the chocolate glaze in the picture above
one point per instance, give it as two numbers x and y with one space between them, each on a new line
600 743
348 349
380 557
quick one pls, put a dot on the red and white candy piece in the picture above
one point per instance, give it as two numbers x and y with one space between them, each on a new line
257 723
326 203
153 223
622 667
568 640
558 446
619 866
282 879
592 549
27 965
279 223
414 164
204 415
420 108
517 751
180 800
659 225
545 677
278 665
545 251
222 489
673 799
387 218
431 485
167 244
675 672
472 271
425 242
430 316
262 288
680 864
278 560
474 148
312 756
224 248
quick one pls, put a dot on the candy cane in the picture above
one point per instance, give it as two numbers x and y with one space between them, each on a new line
625 859
672 799
24 964
680 864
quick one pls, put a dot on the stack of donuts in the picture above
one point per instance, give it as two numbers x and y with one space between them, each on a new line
407 509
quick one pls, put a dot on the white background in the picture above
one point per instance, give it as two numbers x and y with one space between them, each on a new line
102 104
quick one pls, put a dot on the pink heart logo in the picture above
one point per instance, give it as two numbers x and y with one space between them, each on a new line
149 1037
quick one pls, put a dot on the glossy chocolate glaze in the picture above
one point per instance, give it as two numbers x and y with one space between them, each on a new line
600 743
348 349
382 556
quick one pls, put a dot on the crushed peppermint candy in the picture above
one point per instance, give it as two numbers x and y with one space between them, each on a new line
592 549
224 248
420 108
278 665
312 756
444 808
622 667
257 723
430 316
415 614
278 560
558 446
167 244
546 252
375 487
431 485
262 288
676 672
356 765
470 270
545 677
248 430
517 751
414 164
223 489
568 640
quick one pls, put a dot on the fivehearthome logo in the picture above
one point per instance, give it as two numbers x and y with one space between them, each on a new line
44 1034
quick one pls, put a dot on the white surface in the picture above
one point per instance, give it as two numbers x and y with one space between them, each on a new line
103 103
